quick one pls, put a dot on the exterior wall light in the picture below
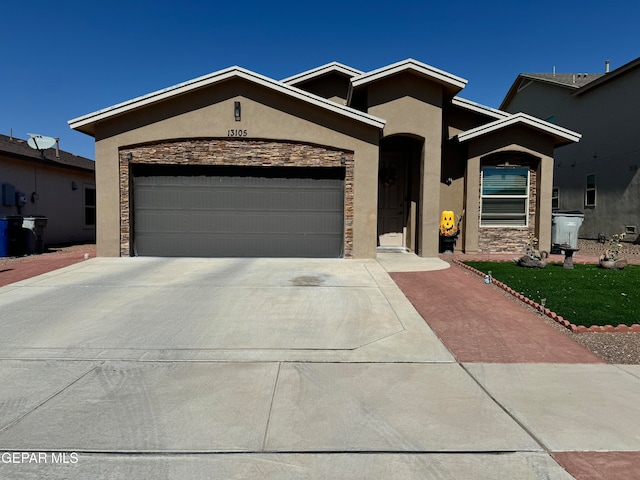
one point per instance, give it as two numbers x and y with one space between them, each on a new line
236 111
74 185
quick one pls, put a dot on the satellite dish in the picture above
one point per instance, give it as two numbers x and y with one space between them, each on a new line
40 142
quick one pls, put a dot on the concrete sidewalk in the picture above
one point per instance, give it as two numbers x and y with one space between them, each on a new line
281 368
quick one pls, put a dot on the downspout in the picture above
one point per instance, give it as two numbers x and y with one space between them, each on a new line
34 195
349 94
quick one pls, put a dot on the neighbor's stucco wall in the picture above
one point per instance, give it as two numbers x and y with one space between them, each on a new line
607 118
548 98
55 199
266 115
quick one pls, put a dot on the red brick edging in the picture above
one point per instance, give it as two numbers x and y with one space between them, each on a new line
553 315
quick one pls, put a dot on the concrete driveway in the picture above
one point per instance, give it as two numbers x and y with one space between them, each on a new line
215 309
242 368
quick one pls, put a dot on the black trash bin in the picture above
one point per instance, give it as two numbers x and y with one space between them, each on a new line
11 238
34 231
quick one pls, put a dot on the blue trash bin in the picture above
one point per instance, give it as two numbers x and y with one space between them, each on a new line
11 237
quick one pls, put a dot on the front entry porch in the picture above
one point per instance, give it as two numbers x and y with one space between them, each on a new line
398 192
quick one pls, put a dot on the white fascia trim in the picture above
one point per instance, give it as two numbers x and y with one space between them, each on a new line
322 70
219 76
525 119
478 108
413 65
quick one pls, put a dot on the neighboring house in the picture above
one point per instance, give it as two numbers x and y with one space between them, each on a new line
333 162
599 176
57 185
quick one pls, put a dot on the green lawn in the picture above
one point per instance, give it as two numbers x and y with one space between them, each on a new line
587 295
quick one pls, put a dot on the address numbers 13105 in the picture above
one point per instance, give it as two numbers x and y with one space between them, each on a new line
236 133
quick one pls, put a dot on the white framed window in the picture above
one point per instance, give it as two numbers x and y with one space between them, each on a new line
590 191
505 197
555 198
89 206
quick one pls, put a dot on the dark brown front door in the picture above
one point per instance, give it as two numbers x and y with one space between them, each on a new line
392 201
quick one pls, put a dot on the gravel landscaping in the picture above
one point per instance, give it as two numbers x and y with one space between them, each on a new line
622 348
617 348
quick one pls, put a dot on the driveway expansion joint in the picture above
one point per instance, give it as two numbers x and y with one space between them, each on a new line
524 427
50 397
273 396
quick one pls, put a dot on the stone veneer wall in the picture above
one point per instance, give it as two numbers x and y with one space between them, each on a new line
511 239
250 153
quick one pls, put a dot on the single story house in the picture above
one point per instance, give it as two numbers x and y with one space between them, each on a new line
599 176
51 183
332 162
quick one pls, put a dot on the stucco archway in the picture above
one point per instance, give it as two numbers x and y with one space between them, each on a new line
231 153
399 192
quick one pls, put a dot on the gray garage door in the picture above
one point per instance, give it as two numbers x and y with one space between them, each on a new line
191 211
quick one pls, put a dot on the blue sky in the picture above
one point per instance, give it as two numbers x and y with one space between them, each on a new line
63 59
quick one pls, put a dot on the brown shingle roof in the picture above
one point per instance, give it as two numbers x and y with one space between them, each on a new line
18 148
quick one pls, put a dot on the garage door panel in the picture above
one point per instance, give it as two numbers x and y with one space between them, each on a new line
179 222
235 215
231 246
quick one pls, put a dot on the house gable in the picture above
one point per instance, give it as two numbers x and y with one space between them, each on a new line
210 112
86 123
561 136
452 84
314 73
331 81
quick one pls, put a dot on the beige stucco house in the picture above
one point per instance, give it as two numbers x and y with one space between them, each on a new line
332 162
57 185
599 176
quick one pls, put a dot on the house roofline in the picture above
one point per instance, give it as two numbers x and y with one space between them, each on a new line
454 82
515 86
320 71
478 108
563 135
607 77
18 149
578 89
85 123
